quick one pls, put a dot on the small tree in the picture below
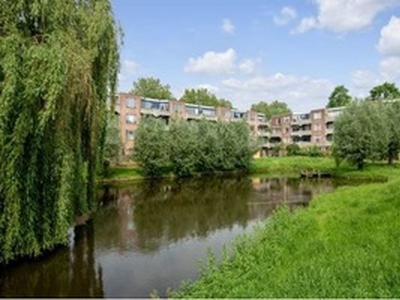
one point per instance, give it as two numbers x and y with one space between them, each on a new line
150 151
151 88
293 150
183 147
360 133
392 111
339 97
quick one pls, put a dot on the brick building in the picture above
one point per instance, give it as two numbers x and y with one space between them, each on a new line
130 109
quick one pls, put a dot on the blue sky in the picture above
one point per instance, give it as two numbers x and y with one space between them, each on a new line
251 50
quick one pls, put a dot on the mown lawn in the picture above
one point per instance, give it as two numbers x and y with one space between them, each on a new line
346 244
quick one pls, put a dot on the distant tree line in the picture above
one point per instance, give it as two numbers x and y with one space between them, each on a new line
186 148
153 88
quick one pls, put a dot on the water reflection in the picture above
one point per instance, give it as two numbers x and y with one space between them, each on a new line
67 272
150 235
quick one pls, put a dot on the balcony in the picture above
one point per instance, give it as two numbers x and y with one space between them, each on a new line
301 132
329 130
155 112
154 107
263 133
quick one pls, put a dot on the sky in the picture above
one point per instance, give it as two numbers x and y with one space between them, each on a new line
246 51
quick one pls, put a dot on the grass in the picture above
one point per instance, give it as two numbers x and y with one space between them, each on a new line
344 245
266 165
121 174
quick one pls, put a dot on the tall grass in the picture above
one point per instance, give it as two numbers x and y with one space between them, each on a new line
344 245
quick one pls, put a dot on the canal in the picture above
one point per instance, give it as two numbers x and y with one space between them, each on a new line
149 236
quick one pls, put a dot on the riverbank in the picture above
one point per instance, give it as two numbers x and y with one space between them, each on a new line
344 245
266 165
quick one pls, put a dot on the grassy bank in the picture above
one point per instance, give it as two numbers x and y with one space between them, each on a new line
121 174
344 245
266 165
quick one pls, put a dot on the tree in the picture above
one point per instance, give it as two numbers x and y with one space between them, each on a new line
392 111
187 148
113 143
151 88
339 97
361 133
150 151
274 108
58 69
385 91
293 150
204 97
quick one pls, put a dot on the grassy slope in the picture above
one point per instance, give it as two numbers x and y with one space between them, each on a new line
344 245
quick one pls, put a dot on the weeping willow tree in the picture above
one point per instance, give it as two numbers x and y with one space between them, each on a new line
58 70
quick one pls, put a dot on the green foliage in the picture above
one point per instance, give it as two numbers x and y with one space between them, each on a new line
204 97
58 65
385 91
344 245
293 150
392 111
187 148
291 164
113 143
272 109
339 97
312 151
151 88
361 132
151 151
182 143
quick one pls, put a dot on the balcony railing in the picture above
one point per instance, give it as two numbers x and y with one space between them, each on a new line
156 111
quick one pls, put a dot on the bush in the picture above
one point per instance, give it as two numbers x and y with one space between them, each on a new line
293 150
192 147
313 151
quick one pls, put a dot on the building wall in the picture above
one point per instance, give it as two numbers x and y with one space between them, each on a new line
306 129
130 109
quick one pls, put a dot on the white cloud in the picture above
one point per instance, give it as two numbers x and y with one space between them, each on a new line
247 66
389 42
212 62
219 63
227 26
390 68
364 80
286 14
389 46
305 25
210 87
343 16
130 67
300 93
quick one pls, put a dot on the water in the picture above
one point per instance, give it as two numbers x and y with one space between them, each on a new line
151 235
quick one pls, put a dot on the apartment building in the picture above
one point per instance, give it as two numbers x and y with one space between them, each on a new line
305 130
131 108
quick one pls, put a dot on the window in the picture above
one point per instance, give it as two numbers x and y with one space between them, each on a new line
130 135
317 116
130 119
317 127
130 103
